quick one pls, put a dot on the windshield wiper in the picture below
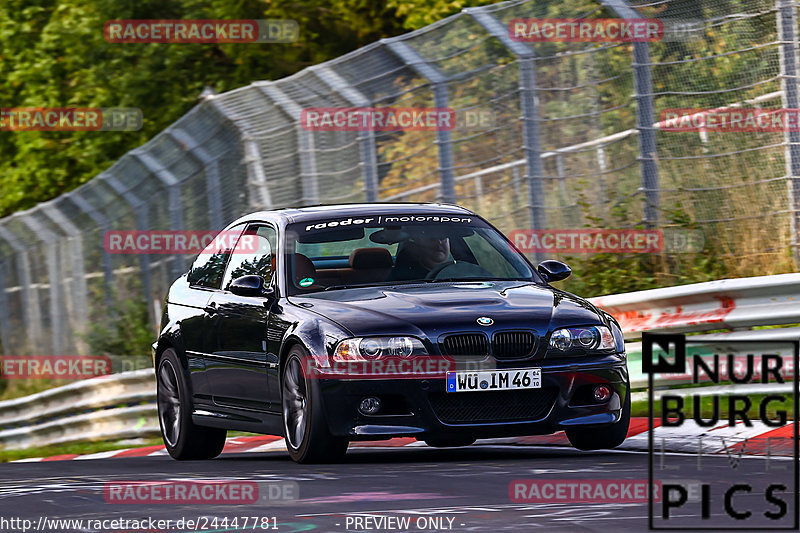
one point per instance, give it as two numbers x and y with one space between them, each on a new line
374 284
418 281
473 279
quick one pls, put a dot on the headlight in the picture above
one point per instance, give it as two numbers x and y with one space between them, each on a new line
369 348
582 339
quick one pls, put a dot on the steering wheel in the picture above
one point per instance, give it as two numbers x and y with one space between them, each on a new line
438 268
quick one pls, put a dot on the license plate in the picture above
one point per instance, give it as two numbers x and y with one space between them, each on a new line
486 380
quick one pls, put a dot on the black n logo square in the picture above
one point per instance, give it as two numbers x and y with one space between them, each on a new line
670 352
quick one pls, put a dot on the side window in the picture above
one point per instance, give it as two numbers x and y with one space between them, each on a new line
254 255
207 269
488 258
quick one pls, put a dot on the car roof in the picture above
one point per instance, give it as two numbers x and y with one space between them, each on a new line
301 214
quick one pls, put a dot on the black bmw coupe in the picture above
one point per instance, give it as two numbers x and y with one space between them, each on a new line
340 323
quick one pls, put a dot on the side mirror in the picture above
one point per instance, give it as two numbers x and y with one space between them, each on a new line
250 286
553 270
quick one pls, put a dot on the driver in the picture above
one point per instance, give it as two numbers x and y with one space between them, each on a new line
419 254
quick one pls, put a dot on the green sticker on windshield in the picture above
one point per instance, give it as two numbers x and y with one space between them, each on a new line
306 282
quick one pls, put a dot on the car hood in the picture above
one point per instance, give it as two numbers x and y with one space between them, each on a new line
432 309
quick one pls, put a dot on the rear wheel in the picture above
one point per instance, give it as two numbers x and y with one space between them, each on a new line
603 438
183 439
307 437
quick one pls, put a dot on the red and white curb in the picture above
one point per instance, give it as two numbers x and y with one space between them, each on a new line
758 439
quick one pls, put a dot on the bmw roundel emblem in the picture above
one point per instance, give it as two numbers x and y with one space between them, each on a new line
485 321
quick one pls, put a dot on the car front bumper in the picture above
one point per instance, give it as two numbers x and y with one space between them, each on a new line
421 408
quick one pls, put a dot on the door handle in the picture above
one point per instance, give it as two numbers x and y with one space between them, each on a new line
211 308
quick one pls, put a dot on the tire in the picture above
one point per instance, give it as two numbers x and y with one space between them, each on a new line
307 437
603 438
183 439
449 442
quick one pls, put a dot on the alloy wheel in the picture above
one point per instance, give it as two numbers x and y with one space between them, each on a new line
295 403
169 402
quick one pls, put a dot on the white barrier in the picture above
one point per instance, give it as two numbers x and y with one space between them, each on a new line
725 304
107 424
96 393
58 416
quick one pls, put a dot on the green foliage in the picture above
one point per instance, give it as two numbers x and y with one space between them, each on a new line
421 13
53 53
599 274
78 448
125 331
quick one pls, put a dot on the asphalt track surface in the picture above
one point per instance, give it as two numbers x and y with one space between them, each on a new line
467 489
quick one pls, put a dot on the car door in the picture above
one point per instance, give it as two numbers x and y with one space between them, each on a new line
236 326
202 281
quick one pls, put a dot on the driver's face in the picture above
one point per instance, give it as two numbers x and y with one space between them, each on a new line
432 251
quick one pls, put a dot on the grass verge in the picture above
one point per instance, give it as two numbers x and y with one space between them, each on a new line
79 448
82 448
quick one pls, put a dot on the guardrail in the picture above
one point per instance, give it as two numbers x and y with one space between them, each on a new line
110 424
100 408
725 304
60 416
89 394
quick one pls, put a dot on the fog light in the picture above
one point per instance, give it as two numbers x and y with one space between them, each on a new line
602 393
369 406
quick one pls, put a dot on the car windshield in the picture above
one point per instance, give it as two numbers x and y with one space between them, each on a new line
345 252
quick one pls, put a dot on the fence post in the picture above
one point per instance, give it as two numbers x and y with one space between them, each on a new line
441 100
102 224
532 140
211 169
173 186
562 178
55 310
645 116
30 302
255 173
787 35
516 183
79 309
5 318
366 139
305 142
529 105
259 196
140 210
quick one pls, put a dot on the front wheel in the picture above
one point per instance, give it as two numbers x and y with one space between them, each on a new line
307 437
183 439
603 438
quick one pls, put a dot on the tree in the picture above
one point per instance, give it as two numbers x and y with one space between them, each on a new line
53 54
